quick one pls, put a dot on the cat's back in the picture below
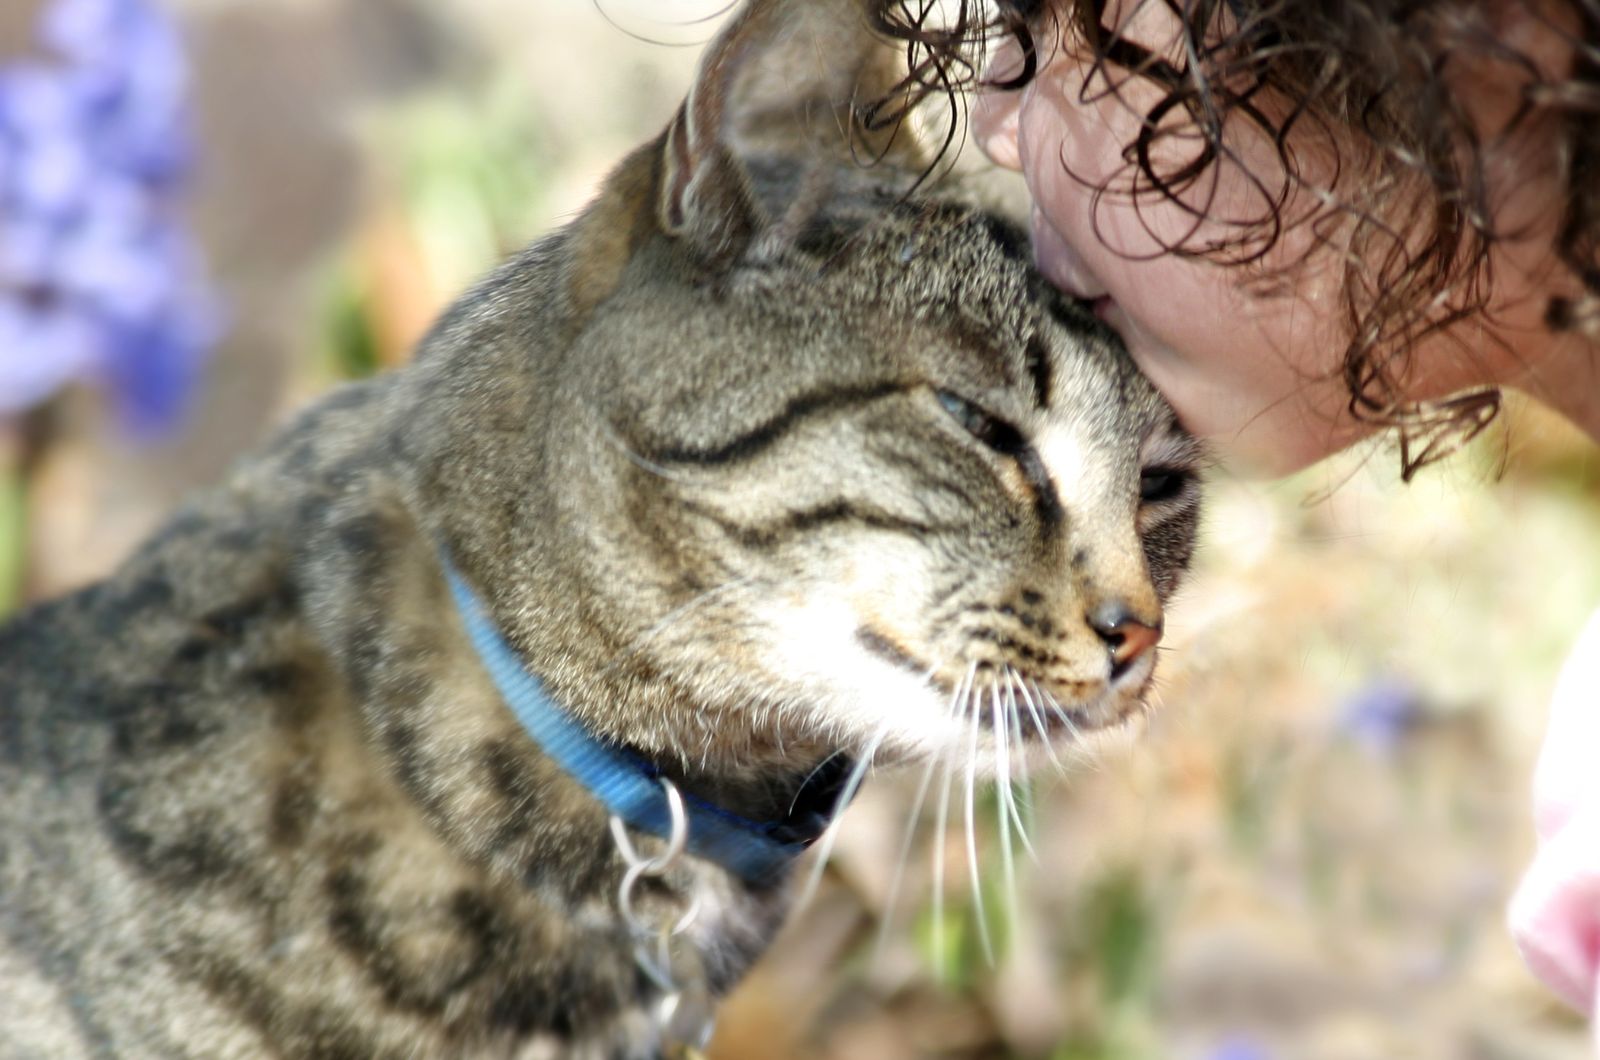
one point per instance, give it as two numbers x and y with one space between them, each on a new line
101 664
97 720
137 719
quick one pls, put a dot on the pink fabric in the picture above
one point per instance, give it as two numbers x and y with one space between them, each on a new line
1555 914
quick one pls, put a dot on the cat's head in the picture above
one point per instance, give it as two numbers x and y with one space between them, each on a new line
843 470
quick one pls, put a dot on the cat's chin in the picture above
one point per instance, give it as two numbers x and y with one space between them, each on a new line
1032 741
893 709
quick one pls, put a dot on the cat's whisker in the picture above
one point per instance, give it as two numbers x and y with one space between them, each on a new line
941 828
1039 724
1060 712
910 833
942 823
1008 792
830 836
617 442
811 775
1013 713
895 881
972 839
671 617
1076 749
1002 742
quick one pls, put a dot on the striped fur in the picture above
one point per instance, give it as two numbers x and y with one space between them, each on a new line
754 462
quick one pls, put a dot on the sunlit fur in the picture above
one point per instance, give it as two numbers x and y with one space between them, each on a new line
758 463
737 583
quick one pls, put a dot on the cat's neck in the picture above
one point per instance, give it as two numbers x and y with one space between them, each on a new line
754 830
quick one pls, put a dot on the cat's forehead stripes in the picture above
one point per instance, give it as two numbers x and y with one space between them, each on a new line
1040 372
753 440
974 269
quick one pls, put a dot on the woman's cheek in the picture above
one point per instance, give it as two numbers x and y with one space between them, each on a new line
1252 415
1257 375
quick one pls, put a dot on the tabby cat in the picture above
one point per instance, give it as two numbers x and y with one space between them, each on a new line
758 469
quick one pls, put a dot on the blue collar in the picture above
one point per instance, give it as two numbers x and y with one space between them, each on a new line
758 852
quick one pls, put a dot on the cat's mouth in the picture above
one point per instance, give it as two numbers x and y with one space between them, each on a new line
1003 702
1021 712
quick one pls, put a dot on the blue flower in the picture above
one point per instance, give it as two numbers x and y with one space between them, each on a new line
99 278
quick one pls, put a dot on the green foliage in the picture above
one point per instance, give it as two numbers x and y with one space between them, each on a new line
13 528
348 339
1248 788
1122 930
464 189
948 940
471 180
952 941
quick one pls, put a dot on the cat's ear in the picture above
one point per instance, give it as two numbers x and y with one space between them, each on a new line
796 88
800 87
704 194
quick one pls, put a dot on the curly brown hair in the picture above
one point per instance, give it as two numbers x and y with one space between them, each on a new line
1371 79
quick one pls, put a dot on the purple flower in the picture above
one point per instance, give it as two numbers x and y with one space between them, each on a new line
28 378
1382 714
99 279
1238 1049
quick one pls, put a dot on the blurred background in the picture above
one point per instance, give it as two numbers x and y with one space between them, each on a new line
1306 855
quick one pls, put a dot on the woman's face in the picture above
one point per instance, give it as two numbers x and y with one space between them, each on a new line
1256 371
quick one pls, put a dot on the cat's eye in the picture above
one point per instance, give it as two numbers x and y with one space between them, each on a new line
997 434
1157 484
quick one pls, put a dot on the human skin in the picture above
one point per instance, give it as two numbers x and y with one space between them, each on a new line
1259 375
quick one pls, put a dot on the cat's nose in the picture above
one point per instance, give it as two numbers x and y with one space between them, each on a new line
1127 636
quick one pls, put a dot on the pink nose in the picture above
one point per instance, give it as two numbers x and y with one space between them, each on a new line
1127 636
